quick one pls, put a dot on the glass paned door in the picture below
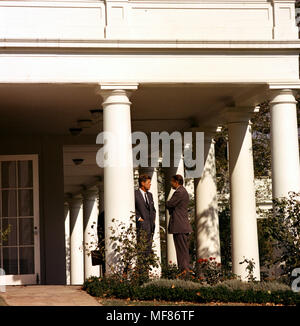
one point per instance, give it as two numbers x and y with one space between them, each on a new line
19 219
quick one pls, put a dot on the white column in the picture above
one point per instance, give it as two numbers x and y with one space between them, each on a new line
118 174
169 172
284 143
67 242
152 172
242 195
90 237
206 205
76 240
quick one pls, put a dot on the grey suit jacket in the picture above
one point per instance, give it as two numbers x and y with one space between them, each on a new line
146 213
178 209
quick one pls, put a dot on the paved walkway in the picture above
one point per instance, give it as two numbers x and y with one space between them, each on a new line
47 295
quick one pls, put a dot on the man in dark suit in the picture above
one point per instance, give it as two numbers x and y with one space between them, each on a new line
145 211
179 224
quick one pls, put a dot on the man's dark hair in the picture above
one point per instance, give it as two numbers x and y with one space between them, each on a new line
143 178
178 178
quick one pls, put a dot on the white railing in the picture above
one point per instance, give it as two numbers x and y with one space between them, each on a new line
145 19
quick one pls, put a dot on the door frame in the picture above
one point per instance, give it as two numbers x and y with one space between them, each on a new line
36 277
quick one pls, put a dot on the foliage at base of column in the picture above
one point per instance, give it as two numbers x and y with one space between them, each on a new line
132 257
281 228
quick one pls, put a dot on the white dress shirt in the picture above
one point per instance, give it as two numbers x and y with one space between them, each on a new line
144 195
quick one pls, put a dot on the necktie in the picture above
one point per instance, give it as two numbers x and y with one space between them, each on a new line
146 198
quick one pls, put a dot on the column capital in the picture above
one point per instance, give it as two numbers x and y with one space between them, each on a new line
209 132
90 194
116 93
282 95
113 94
67 199
75 201
205 128
121 86
238 114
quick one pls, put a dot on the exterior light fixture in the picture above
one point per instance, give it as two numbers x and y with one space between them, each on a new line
96 113
75 131
77 161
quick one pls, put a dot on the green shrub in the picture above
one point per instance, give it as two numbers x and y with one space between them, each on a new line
179 290
255 286
189 285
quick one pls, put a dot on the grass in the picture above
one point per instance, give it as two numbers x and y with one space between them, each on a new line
128 303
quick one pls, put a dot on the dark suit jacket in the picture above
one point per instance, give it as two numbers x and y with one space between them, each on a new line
146 213
178 209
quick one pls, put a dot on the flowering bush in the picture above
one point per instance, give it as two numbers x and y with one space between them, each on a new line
209 270
206 271
170 271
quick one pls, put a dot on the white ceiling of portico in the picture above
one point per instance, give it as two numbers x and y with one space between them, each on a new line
53 109
76 177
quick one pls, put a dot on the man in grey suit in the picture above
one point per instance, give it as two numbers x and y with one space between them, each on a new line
145 211
179 224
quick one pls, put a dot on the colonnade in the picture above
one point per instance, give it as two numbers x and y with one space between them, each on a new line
119 202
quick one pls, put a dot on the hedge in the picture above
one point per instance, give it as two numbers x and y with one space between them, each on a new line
107 287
